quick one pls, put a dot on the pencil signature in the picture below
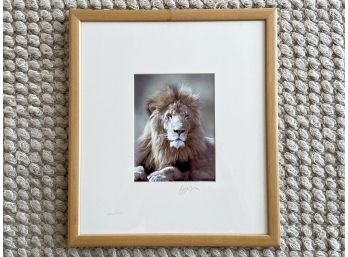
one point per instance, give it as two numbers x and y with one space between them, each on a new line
187 189
114 213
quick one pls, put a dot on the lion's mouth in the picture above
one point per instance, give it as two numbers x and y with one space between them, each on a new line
177 143
177 140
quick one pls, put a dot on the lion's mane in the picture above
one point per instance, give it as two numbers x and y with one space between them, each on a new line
153 150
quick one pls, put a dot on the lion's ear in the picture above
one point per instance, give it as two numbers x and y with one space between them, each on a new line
150 106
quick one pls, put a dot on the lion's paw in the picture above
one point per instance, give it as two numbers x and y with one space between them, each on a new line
140 174
158 176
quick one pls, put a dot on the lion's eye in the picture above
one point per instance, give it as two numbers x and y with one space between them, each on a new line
186 116
169 116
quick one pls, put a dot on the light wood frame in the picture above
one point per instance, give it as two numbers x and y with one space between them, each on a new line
75 238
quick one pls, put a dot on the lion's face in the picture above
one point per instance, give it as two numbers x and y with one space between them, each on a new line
176 124
174 118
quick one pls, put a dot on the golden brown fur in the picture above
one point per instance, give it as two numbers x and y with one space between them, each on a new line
156 158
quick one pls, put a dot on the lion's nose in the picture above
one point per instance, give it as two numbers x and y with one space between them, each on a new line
179 131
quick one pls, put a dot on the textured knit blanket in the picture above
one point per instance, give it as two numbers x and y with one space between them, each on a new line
311 127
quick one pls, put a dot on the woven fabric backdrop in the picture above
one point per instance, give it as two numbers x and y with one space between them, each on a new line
311 127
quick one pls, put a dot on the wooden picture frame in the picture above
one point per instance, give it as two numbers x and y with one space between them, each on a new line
75 238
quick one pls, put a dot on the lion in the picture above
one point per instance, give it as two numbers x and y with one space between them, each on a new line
173 146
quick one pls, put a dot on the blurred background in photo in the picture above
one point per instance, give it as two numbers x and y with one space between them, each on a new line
145 85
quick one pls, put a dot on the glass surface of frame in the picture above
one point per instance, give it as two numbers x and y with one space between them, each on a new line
206 66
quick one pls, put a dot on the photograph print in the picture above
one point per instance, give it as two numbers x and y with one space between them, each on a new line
174 127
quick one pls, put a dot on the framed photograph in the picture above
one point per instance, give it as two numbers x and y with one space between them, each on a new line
173 128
